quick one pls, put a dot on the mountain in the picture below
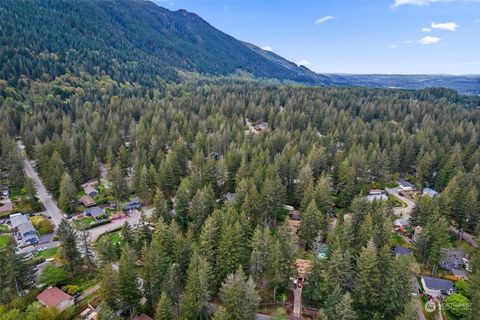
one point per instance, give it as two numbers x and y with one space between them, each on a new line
141 42
134 41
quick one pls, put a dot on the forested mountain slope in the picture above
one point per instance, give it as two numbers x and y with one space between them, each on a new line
135 41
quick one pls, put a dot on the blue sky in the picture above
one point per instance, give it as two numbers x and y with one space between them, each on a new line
356 36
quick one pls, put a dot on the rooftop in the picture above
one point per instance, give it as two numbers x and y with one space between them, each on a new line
52 296
18 219
437 283
94 212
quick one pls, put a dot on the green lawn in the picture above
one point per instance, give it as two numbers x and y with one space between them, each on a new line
4 240
48 253
397 240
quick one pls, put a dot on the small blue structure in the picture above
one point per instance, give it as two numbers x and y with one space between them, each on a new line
401 251
430 192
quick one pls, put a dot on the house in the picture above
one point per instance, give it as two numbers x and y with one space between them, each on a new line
401 251
54 297
95 212
90 190
132 205
25 233
437 287
454 259
459 274
87 201
229 196
90 313
376 195
142 316
5 192
405 185
303 267
402 223
430 192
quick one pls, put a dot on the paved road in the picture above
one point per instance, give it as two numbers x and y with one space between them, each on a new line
402 212
297 303
42 193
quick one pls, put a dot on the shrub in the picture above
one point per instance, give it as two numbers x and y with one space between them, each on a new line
53 276
71 289
462 287
458 305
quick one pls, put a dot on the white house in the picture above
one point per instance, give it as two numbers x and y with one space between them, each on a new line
405 185
25 232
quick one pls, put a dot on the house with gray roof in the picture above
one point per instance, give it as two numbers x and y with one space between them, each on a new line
437 287
25 232
405 185
96 213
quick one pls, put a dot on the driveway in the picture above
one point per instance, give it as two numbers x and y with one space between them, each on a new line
402 212
133 219
50 205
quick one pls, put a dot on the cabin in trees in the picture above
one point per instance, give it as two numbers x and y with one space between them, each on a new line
90 190
401 251
87 201
132 205
96 213
55 298
24 231
456 261
405 185
437 287
376 195
430 192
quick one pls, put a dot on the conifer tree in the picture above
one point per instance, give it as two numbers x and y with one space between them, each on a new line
162 209
164 309
366 290
109 287
239 296
128 286
312 223
87 250
197 295
68 197
69 251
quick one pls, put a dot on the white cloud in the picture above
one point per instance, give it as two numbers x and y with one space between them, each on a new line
399 3
476 21
267 48
449 26
425 29
429 40
323 20
303 63
392 46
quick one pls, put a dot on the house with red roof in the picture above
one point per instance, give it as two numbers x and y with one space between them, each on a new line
54 297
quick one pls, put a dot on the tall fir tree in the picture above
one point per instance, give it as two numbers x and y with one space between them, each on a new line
69 251
67 200
128 286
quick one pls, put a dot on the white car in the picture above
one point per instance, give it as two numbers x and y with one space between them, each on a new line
42 249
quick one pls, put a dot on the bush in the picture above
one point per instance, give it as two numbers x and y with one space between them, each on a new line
462 287
458 305
71 289
42 224
53 276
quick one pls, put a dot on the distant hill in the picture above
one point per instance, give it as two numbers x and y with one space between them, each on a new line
141 42
135 41
463 84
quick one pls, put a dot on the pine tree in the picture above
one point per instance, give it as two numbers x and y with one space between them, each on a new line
87 250
109 286
201 207
312 223
126 234
344 309
69 252
272 198
410 311
128 286
323 194
119 184
162 209
107 313
164 309
67 199
366 290
196 298
156 266
221 314
232 250
182 203
261 242
53 175
239 296
346 183
433 238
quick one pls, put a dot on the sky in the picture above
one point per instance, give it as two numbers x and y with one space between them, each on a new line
354 36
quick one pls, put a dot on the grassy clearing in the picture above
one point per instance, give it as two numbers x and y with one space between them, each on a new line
4 239
3 228
42 224
49 253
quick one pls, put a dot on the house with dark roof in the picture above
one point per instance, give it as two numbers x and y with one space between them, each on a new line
405 185
401 251
90 190
132 205
454 259
96 213
437 287
25 232
56 298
